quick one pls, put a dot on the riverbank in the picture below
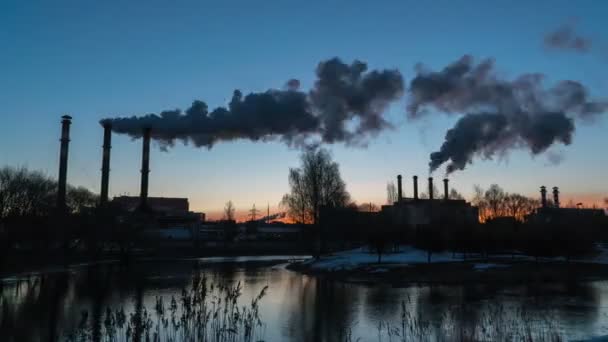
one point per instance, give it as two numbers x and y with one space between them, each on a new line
28 263
410 266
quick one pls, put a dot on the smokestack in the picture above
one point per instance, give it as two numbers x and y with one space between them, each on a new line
415 187
399 189
145 169
543 196
446 195
63 161
430 188
556 196
105 163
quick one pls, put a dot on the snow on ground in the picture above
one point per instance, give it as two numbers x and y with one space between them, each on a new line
359 257
407 255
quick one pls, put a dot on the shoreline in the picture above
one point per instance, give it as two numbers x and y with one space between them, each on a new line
404 269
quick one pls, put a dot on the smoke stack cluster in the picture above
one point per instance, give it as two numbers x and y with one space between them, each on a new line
63 162
105 163
446 194
399 189
145 169
431 188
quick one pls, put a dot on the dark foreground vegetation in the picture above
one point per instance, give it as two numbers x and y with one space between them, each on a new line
207 312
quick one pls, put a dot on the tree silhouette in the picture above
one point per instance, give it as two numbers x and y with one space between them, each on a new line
391 193
315 184
229 211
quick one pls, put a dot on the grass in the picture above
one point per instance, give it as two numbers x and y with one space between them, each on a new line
210 313
203 313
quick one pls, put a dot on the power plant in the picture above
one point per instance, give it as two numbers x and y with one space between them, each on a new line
416 211
405 211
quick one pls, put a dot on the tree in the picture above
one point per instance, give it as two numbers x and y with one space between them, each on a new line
495 199
316 183
455 195
229 211
391 193
425 195
518 206
253 212
25 193
81 198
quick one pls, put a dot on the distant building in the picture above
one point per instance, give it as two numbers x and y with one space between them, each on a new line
404 214
164 205
416 211
554 214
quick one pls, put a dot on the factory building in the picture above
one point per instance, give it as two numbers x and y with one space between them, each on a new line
415 211
553 213
404 215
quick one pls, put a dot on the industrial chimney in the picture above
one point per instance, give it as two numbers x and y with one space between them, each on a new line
145 170
430 188
63 161
446 195
415 187
399 189
556 197
543 196
105 163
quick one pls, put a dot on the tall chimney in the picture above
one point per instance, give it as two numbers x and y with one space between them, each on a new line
63 161
543 196
105 163
430 188
446 195
399 189
145 169
415 187
556 196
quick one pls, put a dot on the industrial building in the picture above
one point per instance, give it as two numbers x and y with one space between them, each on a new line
404 215
416 211
553 213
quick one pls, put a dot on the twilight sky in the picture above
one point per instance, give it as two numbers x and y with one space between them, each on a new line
95 59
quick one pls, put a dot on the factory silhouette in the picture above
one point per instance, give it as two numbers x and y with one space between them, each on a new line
430 222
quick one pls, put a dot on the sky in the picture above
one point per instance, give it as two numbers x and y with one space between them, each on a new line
98 59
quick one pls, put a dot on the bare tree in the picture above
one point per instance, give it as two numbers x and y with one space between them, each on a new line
391 193
316 183
25 193
480 202
425 195
519 206
455 195
253 212
229 211
81 198
495 199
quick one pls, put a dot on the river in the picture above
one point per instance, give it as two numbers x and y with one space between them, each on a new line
300 307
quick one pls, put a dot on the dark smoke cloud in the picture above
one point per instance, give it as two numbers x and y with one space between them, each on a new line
346 105
499 114
565 38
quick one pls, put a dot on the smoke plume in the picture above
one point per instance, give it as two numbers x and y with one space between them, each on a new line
498 114
345 105
566 38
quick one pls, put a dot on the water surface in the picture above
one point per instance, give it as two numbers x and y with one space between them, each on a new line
300 307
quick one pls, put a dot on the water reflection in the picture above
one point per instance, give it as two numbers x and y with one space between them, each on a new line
300 307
